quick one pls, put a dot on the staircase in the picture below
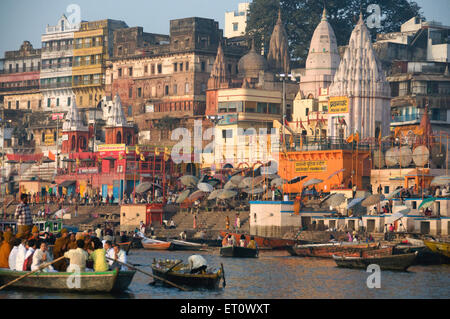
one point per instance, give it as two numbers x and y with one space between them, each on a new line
45 171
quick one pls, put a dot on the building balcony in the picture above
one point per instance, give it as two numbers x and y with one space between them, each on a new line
57 48
406 118
19 88
88 45
56 66
19 70
88 83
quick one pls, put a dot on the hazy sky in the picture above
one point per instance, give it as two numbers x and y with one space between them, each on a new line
26 19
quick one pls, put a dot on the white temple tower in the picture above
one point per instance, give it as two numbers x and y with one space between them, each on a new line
361 79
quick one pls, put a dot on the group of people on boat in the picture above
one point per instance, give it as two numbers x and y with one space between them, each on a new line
27 251
230 240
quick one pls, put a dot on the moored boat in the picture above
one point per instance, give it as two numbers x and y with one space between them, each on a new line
393 262
90 282
330 249
180 275
440 247
157 245
186 245
239 252
263 242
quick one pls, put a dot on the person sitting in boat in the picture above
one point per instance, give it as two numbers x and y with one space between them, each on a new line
98 254
109 251
252 243
123 237
31 248
72 242
77 257
40 257
5 250
13 254
242 241
118 255
21 252
197 264
60 248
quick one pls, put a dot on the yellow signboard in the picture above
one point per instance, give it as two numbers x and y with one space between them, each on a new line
111 147
310 166
338 104
49 140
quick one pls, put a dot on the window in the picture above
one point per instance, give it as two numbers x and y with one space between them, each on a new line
68 101
175 65
57 101
166 90
139 92
187 66
414 204
130 111
146 69
130 71
48 102
40 103
386 189
203 87
120 72
306 111
130 92
9 104
227 134
175 89
152 69
203 66
17 105
181 67
28 104
159 68
235 26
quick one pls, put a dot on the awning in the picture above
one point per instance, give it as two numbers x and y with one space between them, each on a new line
67 183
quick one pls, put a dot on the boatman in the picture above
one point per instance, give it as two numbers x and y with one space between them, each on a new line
197 264
23 217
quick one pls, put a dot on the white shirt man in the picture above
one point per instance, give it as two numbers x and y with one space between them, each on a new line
40 257
20 258
142 227
119 255
197 263
109 252
77 257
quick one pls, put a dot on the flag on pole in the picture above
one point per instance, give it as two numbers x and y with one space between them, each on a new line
350 138
51 155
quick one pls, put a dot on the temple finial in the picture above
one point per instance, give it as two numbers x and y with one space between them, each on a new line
324 14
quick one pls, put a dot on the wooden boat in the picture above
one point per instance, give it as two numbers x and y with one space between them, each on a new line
180 275
157 246
185 245
240 252
442 248
263 242
393 262
347 249
90 282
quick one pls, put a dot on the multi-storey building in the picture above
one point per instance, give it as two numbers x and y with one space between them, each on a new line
19 79
56 73
163 83
236 21
93 46
417 60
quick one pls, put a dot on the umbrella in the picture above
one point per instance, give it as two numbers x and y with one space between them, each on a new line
278 182
427 202
372 200
205 187
143 187
182 196
236 179
297 179
355 202
196 195
229 185
392 194
335 173
213 182
254 191
189 180
313 181
335 200
396 216
226 194
246 182
440 181
214 194
258 180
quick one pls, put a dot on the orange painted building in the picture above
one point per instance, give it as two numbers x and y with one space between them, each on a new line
321 164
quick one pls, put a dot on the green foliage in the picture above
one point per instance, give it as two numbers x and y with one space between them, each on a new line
301 18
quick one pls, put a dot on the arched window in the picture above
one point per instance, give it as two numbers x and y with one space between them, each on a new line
119 138
74 143
43 137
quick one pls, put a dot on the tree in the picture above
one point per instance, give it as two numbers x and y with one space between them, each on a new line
301 18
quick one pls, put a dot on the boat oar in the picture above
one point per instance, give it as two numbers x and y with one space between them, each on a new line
32 272
170 269
148 274
223 275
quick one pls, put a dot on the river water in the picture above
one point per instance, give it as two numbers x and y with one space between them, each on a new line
275 275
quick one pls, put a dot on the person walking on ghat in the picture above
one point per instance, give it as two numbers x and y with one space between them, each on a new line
23 217
227 222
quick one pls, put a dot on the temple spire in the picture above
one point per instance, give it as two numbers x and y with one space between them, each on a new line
278 57
324 14
219 74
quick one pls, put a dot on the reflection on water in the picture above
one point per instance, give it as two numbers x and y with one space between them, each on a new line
275 275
